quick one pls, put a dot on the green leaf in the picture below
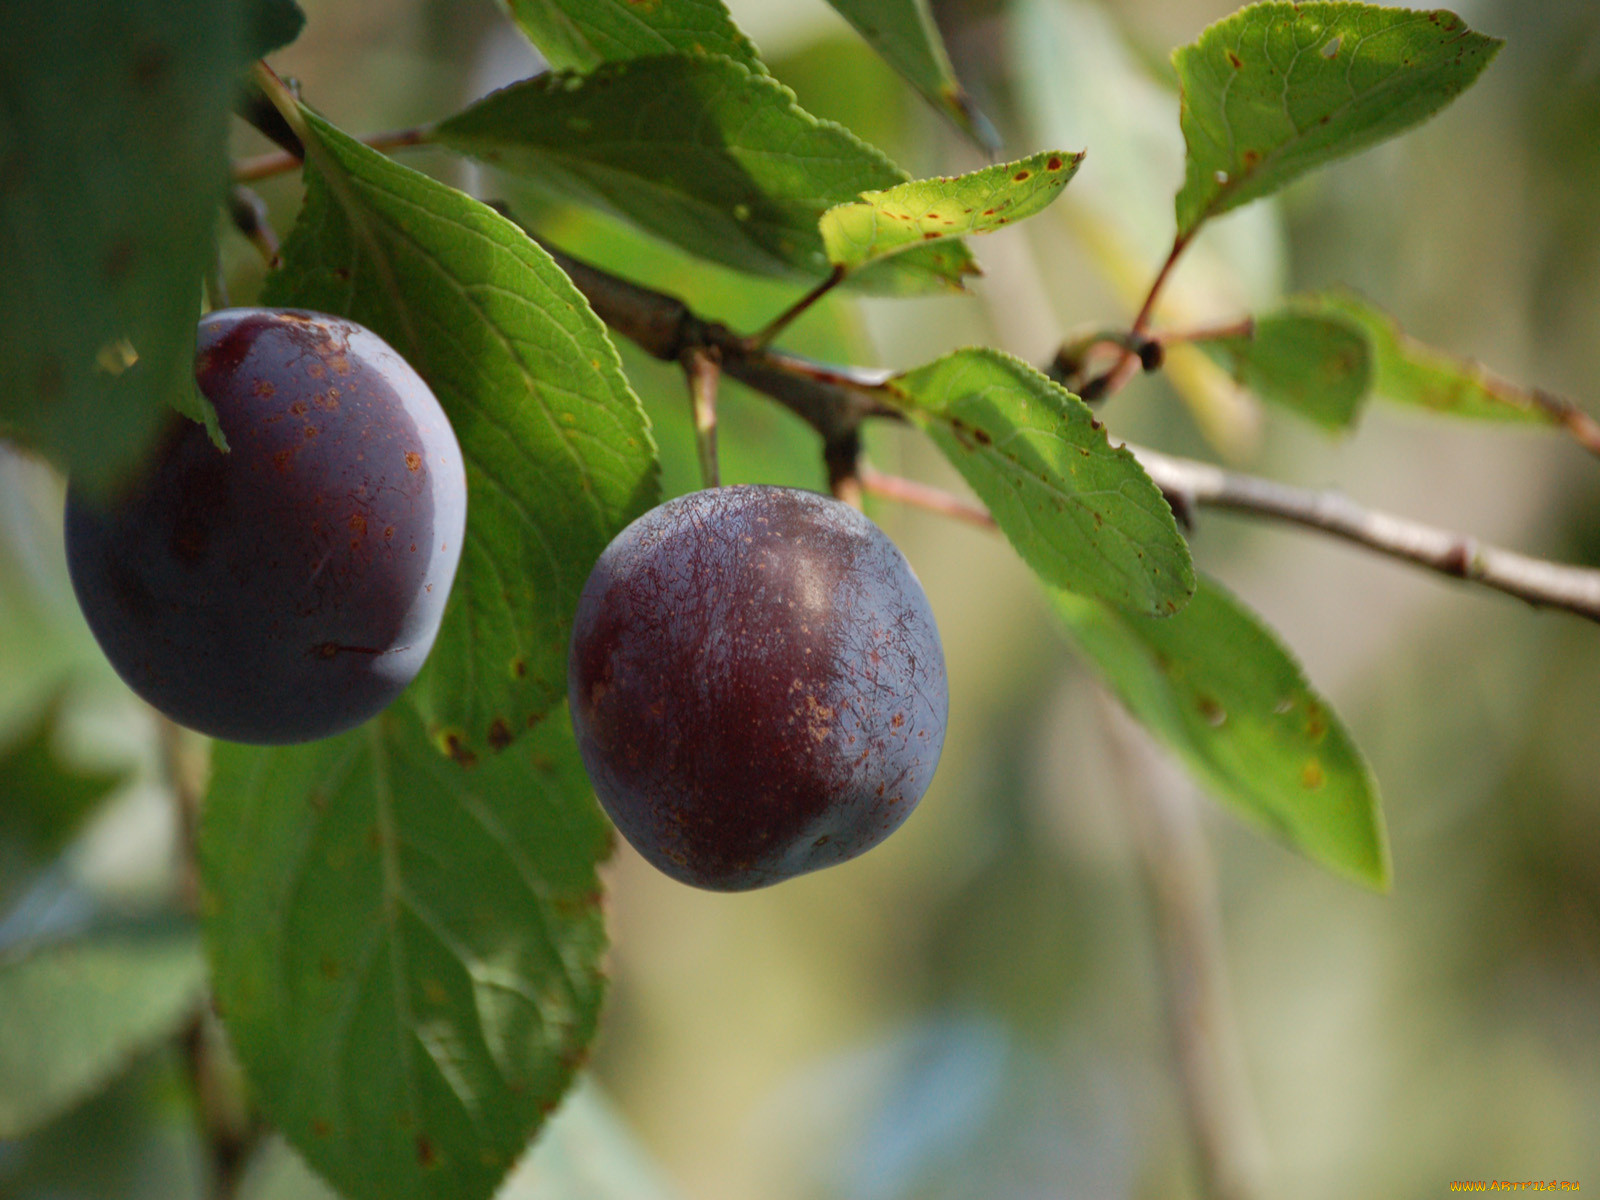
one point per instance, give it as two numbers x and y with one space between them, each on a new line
188 399
1082 513
273 25
1405 371
406 954
45 798
585 1152
77 1013
113 123
134 1140
925 210
701 152
582 34
558 452
1318 366
1277 89
44 641
1216 685
904 33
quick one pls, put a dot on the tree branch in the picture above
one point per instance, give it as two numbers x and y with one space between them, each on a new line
1535 580
835 400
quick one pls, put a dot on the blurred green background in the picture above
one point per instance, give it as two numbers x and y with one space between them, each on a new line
975 1008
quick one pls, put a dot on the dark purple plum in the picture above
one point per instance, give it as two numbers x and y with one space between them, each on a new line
757 685
291 588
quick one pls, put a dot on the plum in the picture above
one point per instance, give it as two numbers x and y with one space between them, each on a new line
757 685
291 588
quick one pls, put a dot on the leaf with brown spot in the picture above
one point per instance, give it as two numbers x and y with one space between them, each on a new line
113 160
702 152
558 451
1416 375
1264 102
884 223
1218 687
1081 512
1314 364
467 939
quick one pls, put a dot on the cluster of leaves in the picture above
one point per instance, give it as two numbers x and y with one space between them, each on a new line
402 924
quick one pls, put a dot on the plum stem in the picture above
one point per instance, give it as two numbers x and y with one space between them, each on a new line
703 367
842 458
248 212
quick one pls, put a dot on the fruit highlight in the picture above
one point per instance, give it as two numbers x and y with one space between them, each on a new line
757 685
291 588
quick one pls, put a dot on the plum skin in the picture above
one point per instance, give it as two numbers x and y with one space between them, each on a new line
291 588
757 685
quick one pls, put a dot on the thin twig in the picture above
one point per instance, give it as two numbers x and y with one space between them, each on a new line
265 166
763 338
180 766
1242 328
1116 378
230 1133
920 495
1181 885
1585 430
835 400
702 365
1147 310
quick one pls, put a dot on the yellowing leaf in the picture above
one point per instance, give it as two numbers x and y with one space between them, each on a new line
701 152
925 210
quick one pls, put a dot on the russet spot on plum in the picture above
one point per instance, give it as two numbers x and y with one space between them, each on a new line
757 685
291 588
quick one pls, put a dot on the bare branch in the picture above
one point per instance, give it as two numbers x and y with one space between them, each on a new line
834 400
1537 581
